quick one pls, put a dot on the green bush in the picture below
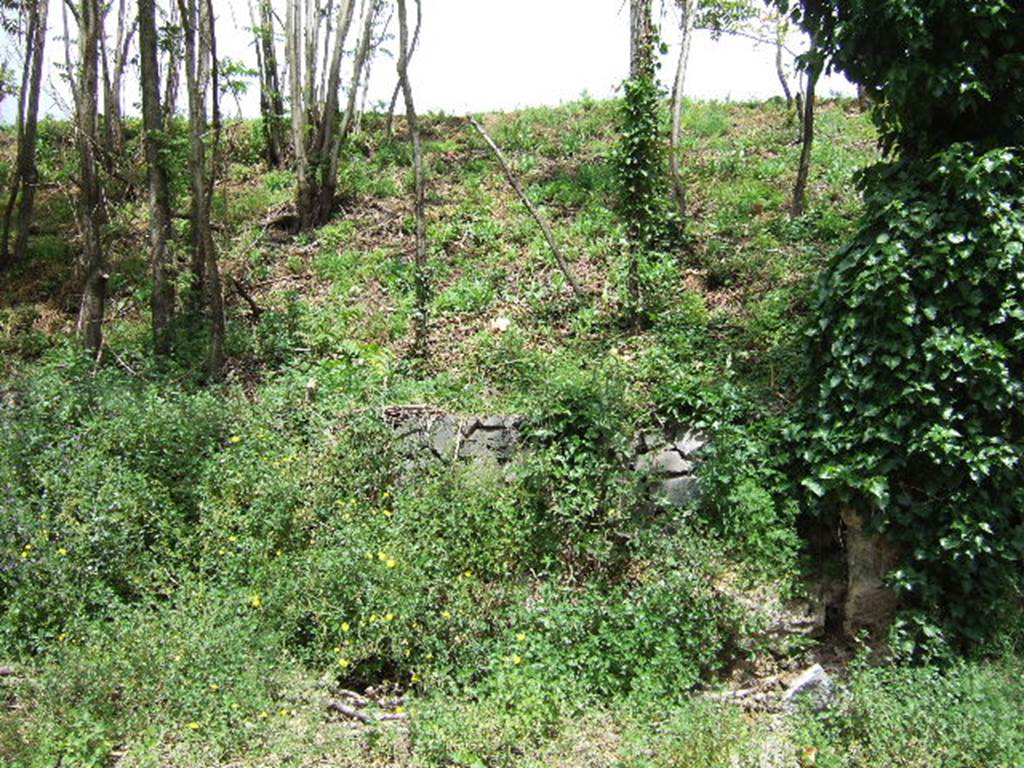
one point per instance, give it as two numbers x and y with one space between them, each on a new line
967 716
918 410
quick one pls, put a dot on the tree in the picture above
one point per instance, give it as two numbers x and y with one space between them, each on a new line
808 103
319 128
640 153
26 174
202 79
914 407
84 78
271 96
114 59
687 13
939 72
160 229
422 287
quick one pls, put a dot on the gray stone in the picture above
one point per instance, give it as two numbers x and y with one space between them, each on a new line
444 434
667 462
689 443
814 687
677 491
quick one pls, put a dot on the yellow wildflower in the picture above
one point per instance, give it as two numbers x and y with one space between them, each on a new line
345 626
255 601
235 440
391 563
194 726
62 552
344 663
446 615
521 637
517 659
389 617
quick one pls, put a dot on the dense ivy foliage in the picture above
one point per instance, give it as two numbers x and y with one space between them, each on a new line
918 409
941 71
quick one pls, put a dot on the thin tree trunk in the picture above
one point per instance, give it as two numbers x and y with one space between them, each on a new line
807 141
537 217
26 175
678 102
200 67
160 228
422 286
389 129
271 97
93 261
172 76
113 81
215 292
780 70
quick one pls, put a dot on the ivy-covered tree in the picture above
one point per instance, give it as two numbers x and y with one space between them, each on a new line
916 409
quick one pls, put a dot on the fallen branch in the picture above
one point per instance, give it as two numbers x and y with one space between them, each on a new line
254 309
541 222
349 712
359 701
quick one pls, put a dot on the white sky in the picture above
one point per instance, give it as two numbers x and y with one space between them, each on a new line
484 55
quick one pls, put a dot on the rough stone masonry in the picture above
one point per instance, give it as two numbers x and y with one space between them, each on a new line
425 434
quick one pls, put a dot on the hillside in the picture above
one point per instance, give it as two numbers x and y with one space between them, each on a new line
191 572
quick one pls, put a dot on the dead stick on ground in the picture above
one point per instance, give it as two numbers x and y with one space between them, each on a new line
576 289
362 717
348 711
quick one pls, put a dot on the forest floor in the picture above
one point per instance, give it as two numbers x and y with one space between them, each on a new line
190 573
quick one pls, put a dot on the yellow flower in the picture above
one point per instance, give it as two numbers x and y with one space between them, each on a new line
61 637
391 563
521 637
345 626
194 726
389 617
399 710
468 574
446 615
62 552
344 663
283 713
517 659
381 556
235 440
214 687
264 715
232 539
415 677
255 601
222 552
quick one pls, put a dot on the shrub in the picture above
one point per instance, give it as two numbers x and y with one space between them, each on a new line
918 410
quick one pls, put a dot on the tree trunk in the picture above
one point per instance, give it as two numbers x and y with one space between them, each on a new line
271 97
389 130
641 40
678 185
26 174
173 74
91 218
113 81
780 70
200 67
160 228
807 142
422 286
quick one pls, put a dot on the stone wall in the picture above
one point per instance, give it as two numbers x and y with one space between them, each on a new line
425 434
